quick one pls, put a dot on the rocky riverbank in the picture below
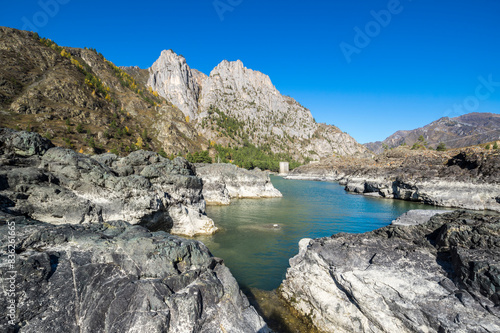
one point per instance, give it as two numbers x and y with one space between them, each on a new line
60 186
76 265
223 182
438 274
116 277
468 178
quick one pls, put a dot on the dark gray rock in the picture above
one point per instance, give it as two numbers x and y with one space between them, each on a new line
63 186
439 276
23 143
115 277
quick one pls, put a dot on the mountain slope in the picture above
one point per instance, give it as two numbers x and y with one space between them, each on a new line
234 105
78 99
466 130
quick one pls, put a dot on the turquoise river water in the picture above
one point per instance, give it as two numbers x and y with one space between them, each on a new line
257 253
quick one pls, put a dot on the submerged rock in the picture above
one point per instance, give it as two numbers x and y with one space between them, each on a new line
116 277
223 182
61 186
442 275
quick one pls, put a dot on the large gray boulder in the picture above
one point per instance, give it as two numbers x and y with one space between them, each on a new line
62 186
223 182
23 143
115 277
439 276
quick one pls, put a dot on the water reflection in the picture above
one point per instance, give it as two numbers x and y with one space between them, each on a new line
257 252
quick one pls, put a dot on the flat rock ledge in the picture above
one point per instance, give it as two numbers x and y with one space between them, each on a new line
439 275
60 186
116 277
223 182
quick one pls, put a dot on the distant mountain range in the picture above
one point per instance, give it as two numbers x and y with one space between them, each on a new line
79 99
466 130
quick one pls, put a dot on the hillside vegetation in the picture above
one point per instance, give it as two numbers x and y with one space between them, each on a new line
80 100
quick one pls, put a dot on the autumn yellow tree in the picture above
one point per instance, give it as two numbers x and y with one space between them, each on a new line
139 143
65 54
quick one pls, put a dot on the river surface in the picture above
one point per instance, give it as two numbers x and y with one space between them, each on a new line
257 252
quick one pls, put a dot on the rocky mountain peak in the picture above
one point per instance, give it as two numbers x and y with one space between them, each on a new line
236 104
174 80
236 71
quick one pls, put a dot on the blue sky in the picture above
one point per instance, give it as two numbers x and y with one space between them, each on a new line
408 62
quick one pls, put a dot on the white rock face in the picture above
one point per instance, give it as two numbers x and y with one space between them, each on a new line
174 80
143 188
188 222
223 182
269 117
249 97
417 216
437 192
444 193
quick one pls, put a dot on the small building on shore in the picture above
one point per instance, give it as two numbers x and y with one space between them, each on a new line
284 168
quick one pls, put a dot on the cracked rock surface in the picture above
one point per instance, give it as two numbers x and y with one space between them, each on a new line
116 277
223 182
60 186
442 275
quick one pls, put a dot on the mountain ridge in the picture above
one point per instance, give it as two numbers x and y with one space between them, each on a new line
265 116
462 131
80 100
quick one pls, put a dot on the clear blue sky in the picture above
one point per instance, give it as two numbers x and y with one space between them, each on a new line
411 71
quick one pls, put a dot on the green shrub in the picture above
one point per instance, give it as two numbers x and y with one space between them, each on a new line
441 147
162 153
80 129
199 157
